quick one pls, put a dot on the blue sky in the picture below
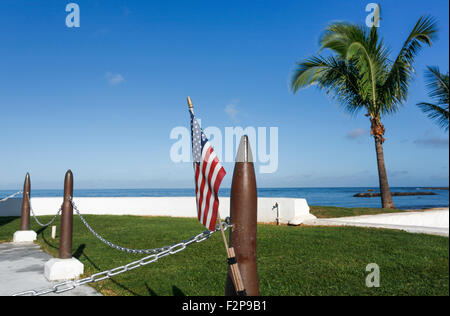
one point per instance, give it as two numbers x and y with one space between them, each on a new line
102 99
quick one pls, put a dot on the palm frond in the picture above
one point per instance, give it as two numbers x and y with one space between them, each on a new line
401 72
308 72
337 77
367 53
436 113
438 86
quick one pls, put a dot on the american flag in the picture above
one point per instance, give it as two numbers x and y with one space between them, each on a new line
208 176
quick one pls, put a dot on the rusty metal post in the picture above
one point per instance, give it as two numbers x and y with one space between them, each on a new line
243 212
25 214
24 234
65 242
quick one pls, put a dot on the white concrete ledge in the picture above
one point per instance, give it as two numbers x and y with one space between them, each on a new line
438 219
291 211
427 222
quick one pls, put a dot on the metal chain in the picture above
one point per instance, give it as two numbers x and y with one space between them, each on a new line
31 208
11 196
110 244
97 277
36 219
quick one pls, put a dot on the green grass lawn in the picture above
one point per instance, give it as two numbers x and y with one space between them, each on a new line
335 212
291 260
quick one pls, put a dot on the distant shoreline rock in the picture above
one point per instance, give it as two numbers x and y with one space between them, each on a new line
438 188
368 195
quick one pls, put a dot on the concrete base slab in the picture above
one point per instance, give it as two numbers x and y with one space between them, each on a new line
24 236
63 269
21 269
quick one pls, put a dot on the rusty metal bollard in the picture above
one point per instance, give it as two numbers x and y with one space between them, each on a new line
65 267
25 214
25 235
66 228
243 213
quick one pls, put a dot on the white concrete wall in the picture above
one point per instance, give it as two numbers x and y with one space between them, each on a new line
11 207
293 211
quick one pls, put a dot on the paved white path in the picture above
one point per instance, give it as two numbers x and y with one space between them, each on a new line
435 222
22 269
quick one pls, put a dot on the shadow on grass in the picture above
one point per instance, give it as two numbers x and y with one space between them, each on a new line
150 291
77 254
7 219
40 232
177 292
80 252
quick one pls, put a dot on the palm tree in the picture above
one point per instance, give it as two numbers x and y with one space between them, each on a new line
437 84
360 75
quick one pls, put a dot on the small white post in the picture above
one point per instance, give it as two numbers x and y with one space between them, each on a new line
53 232
278 218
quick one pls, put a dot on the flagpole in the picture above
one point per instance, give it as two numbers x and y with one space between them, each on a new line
236 274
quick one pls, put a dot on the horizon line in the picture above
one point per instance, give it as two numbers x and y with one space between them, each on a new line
229 188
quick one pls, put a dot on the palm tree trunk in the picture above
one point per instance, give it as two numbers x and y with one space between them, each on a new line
386 196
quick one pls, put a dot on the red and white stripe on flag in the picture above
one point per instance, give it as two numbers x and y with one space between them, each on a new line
208 177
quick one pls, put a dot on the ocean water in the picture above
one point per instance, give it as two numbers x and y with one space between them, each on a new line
342 197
